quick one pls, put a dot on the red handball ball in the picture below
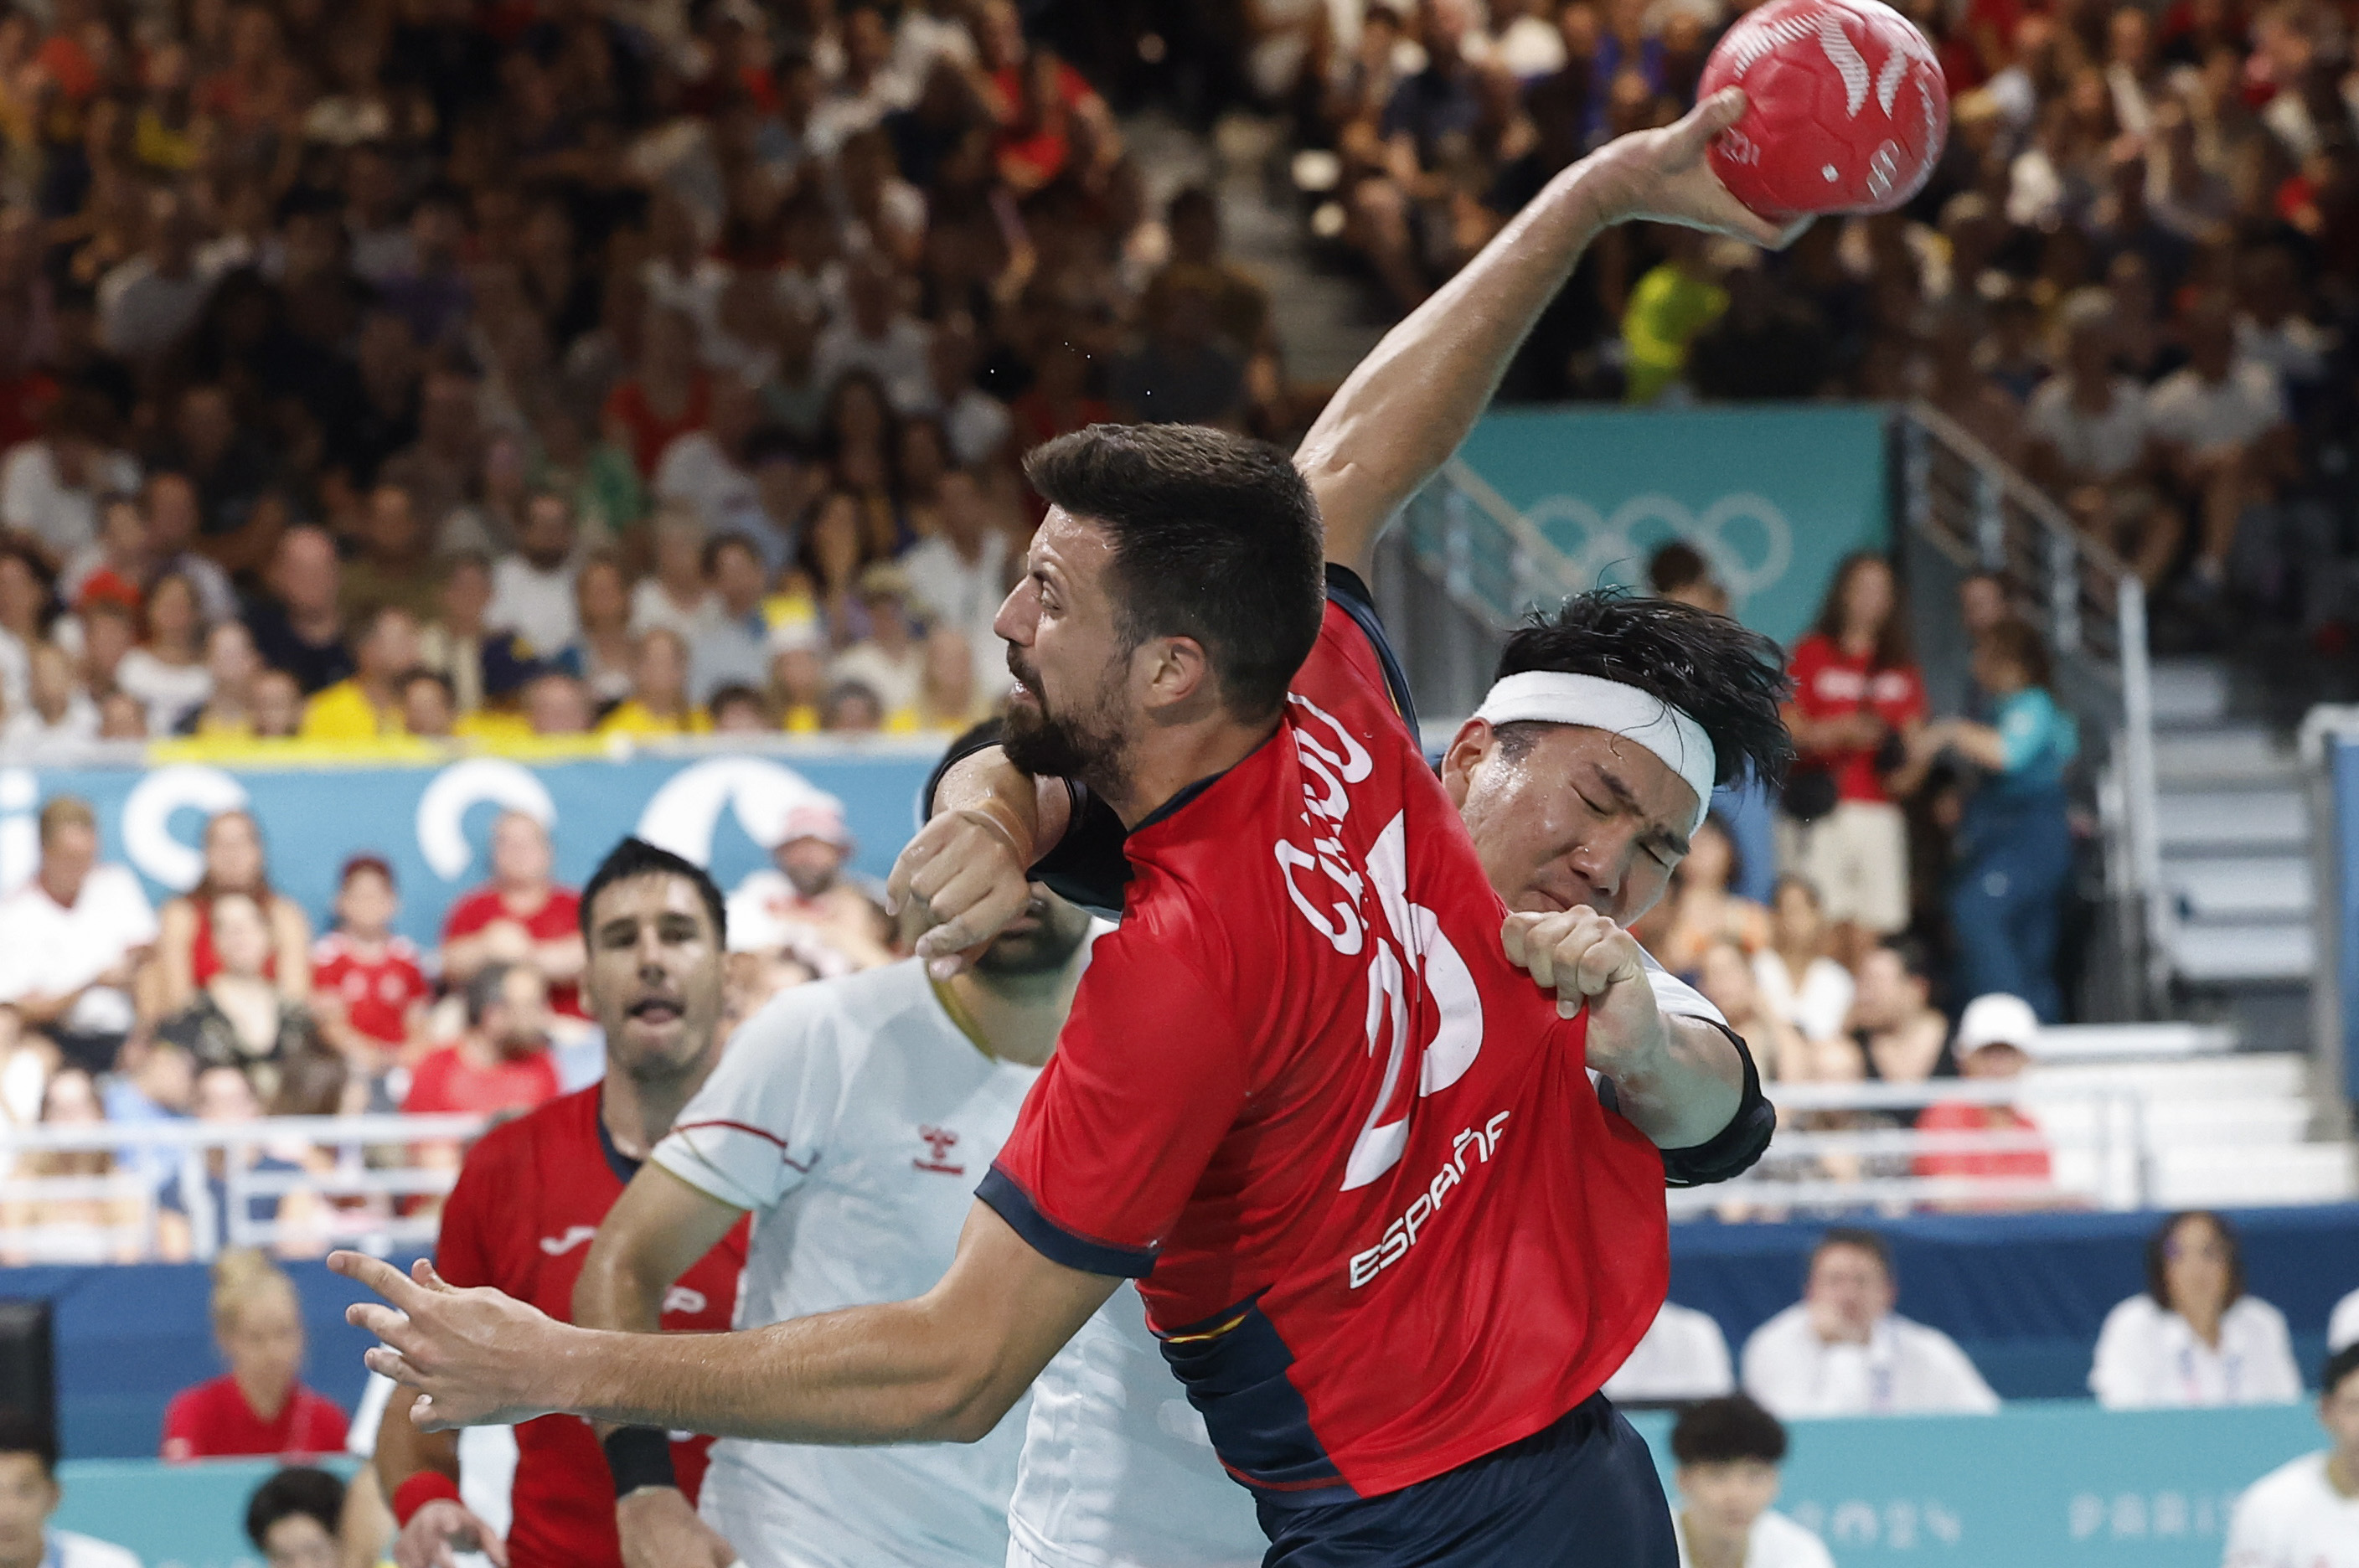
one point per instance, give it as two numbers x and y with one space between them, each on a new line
1845 108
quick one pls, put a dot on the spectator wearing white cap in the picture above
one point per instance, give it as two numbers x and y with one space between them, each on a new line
1843 1351
2305 1514
1684 1356
1996 1035
2193 1336
808 907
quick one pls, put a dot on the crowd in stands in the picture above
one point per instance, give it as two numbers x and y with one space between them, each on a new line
223 1007
509 372
2133 273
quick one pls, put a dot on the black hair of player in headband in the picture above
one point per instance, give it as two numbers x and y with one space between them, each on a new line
1729 680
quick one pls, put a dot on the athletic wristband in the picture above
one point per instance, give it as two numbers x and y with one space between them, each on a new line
419 1490
639 1457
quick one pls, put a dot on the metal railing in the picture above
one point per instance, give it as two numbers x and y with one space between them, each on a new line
359 1179
1849 1147
1963 509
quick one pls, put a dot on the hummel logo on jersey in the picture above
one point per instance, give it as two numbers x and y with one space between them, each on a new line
939 1143
680 1299
558 1245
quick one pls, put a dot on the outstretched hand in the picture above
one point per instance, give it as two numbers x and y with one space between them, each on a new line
1664 177
475 1357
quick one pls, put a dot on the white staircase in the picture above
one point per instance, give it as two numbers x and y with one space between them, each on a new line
2215 1127
2233 823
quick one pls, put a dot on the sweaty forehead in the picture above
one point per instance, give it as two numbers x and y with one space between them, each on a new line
1579 754
645 898
1076 547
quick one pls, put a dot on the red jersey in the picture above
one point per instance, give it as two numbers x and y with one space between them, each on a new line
212 1421
447 1082
1829 684
1957 1115
560 915
526 1205
378 991
1390 1228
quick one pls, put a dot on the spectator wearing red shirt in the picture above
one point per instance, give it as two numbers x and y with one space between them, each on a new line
257 1406
669 395
519 917
502 1063
1857 689
368 986
1995 1035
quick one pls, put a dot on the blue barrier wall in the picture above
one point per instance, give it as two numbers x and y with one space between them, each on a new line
2036 1487
1773 497
2023 1296
433 823
2343 753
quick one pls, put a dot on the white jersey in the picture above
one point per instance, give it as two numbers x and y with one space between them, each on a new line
853 1118
1683 1356
2294 1518
2148 1356
66 1550
1905 1369
1117 1470
1774 1541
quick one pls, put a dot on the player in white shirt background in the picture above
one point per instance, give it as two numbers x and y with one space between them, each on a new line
1843 1351
1727 1452
853 1117
1683 1356
2193 1336
2306 1514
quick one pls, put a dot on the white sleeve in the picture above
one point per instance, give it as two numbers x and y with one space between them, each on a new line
132 915
1712 1367
2274 1377
764 1116
360 1438
2342 1328
1963 1387
2252 1540
1674 997
2118 1377
1767 1369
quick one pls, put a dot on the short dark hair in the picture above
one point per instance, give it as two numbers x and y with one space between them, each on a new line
1214 537
299 1489
1677 565
483 992
1728 679
636 858
734 692
731 540
2339 1366
1719 1432
1866 1241
2020 644
1916 961
21 1431
2158 1255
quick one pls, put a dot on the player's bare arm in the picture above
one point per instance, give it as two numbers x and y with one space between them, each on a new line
441 1530
1679 1081
1409 405
971 862
943 1368
655 1233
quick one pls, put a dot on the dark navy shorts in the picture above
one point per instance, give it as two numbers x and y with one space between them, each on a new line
1577 1493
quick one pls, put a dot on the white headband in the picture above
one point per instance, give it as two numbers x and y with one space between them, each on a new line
1553 697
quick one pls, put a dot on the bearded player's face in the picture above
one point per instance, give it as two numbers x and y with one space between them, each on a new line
655 976
1068 716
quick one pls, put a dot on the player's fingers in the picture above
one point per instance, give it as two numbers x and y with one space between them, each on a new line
428 1416
377 1275
913 858
423 1273
488 1543
1716 114
1513 933
391 1326
982 918
387 1362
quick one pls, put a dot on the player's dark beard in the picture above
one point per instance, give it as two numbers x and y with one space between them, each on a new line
1059 929
1087 745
